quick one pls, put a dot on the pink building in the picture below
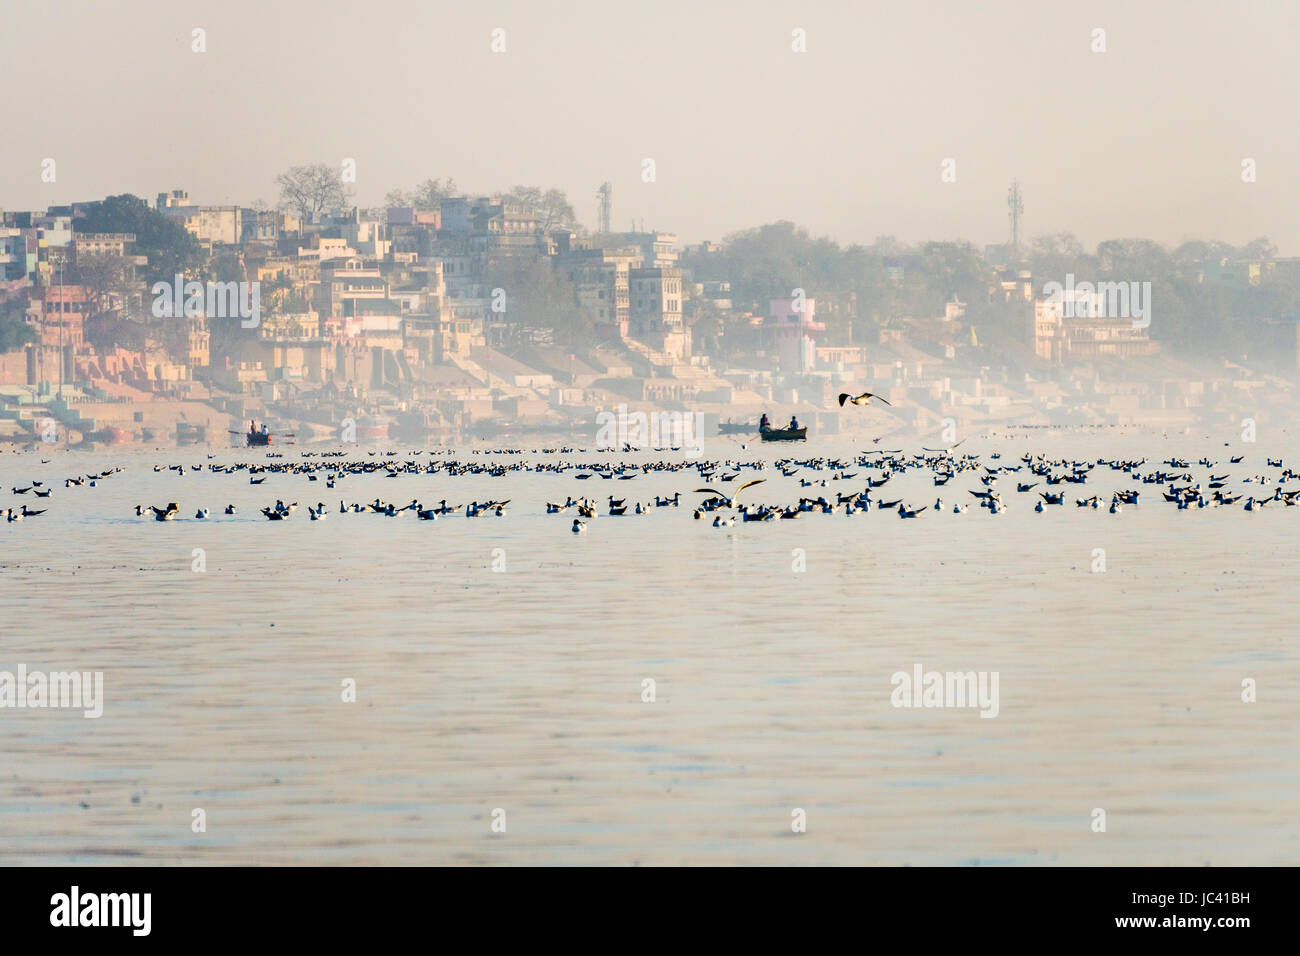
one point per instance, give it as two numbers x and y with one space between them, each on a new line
60 305
792 329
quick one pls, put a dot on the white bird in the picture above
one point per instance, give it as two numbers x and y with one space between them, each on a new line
863 399
730 502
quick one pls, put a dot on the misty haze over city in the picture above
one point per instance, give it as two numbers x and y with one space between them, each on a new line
1144 140
673 434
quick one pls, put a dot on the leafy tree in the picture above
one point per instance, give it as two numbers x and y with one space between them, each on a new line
707 326
15 332
168 244
537 294
109 330
226 336
1052 258
1135 258
1194 310
427 195
1261 248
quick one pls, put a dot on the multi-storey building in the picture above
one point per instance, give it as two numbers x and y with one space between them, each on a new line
792 329
656 249
1077 326
352 287
101 244
210 224
58 313
17 254
601 282
656 309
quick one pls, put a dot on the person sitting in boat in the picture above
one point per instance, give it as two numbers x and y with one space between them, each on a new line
794 423
263 428
763 423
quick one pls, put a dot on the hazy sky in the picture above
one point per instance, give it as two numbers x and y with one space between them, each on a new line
1145 139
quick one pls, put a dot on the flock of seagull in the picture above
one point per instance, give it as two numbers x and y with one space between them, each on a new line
1039 478
41 490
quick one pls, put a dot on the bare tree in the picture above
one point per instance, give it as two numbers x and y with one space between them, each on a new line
309 190
107 278
554 211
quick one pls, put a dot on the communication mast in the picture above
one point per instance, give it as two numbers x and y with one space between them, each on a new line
606 196
1015 207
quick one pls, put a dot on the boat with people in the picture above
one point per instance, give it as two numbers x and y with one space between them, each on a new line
792 432
257 437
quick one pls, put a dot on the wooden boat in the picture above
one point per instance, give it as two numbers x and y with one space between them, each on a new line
254 438
784 434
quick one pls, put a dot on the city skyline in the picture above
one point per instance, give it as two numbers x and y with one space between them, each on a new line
736 142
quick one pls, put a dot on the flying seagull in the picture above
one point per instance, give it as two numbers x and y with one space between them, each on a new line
863 399
730 502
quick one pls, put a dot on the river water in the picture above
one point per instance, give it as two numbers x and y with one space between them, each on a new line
500 667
